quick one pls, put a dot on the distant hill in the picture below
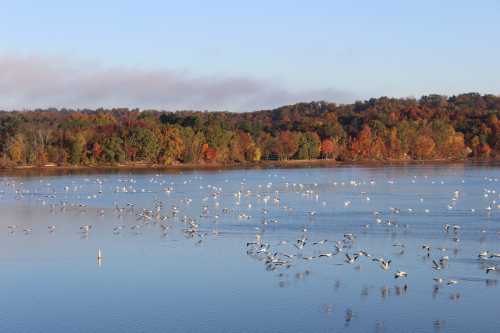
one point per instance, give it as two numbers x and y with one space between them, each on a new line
380 129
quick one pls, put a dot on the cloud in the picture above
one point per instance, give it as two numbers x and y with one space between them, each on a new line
38 82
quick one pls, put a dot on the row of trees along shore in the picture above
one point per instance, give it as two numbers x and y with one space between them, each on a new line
384 129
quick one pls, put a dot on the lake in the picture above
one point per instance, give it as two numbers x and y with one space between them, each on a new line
245 250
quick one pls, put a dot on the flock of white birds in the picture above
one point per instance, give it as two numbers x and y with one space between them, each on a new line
203 212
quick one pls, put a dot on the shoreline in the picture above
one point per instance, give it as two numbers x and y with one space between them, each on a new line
288 164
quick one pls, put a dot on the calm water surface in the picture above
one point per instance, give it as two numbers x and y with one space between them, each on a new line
172 279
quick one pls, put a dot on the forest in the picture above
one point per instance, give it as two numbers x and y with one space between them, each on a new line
433 127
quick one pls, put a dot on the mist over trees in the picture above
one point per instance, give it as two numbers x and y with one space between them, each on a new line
384 129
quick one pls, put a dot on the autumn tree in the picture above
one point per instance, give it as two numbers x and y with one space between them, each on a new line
172 145
425 148
360 146
96 151
209 153
193 143
327 148
77 149
15 148
309 146
286 145
113 151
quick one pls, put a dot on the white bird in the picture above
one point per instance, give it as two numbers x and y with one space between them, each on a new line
437 266
491 269
483 254
384 264
400 274
85 227
99 254
349 259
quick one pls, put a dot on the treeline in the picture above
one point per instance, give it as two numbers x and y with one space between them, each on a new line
431 128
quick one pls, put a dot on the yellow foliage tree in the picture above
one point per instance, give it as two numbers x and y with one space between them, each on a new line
16 148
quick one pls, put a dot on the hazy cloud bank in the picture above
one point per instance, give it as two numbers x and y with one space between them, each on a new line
31 82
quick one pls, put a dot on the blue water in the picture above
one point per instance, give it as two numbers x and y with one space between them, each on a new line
156 280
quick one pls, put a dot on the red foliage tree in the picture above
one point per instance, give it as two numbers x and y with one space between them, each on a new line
327 148
209 153
96 151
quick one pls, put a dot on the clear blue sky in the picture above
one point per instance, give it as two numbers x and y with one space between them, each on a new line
346 49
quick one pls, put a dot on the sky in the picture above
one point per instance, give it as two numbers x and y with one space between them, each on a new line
242 55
